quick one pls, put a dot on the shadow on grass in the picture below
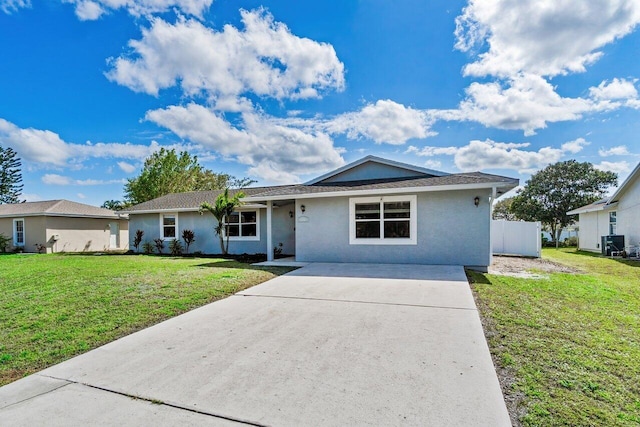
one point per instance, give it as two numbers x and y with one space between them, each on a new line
626 261
477 277
228 263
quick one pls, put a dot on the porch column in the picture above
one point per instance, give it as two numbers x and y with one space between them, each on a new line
269 237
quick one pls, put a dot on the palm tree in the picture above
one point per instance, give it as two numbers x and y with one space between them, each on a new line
223 206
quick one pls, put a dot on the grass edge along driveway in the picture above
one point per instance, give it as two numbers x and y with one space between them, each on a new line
569 344
54 307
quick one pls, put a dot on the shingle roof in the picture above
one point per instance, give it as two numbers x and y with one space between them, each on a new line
193 200
447 180
189 200
55 208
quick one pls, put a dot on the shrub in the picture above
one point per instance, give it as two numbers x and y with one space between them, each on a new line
147 247
159 245
189 237
175 247
571 241
4 242
138 239
41 248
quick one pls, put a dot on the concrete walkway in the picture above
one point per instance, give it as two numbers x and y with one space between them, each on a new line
328 344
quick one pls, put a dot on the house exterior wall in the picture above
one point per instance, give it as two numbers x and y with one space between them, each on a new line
372 170
203 226
81 234
628 217
592 226
34 231
450 230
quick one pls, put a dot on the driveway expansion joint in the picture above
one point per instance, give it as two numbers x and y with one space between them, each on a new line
357 301
154 401
39 394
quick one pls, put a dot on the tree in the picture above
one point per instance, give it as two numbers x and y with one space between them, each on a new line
166 172
223 206
502 210
115 205
10 176
558 189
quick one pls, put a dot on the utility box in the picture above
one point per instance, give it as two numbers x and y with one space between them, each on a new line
609 244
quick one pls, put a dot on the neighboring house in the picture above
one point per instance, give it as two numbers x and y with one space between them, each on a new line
63 226
616 215
373 210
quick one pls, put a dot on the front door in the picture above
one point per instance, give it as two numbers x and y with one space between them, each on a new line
113 236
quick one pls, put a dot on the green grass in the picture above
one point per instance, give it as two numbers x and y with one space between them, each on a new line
571 342
53 307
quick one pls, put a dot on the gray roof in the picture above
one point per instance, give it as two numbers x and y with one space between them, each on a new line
446 180
192 200
55 208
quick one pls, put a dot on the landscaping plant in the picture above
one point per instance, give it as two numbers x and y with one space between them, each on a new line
175 247
189 237
138 239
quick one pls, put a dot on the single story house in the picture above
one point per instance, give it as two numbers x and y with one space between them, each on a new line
372 210
63 226
618 215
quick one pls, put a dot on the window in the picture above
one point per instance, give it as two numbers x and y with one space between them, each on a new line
169 226
243 225
612 223
387 220
18 232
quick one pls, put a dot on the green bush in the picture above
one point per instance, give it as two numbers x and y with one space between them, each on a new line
175 247
4 242
571 241
147 247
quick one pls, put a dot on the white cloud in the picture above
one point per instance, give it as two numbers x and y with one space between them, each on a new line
616 89
10 6
126 167
433 164
546 38
94 9
385 121
264 58
620 168
528 102
31 197
488 154
619 150
574 146
47 148
81 196
55 179
266 145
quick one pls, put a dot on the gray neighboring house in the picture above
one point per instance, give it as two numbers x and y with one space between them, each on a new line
63 226
616 215
373 210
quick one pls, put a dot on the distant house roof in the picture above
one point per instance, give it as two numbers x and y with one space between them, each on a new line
595 206
55 208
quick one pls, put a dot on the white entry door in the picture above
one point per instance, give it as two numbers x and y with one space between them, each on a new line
113 237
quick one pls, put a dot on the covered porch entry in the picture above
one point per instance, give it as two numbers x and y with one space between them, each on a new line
281 230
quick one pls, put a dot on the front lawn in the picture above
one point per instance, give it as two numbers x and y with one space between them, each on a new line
571 342
53 307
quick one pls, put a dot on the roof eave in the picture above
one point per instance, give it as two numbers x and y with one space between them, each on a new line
401 190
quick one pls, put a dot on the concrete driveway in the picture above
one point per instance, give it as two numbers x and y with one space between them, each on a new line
328 344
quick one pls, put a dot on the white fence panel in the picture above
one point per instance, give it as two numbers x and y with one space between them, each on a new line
516 238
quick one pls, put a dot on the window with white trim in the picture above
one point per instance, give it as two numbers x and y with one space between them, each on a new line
169 226
243 225
612 223
18 232
387 220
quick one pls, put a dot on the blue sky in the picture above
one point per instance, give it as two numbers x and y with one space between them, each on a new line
283 91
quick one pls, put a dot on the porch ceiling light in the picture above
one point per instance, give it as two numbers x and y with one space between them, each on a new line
303 208
476 201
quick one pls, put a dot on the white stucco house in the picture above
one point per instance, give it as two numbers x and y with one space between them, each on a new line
63 226
372 210
618 215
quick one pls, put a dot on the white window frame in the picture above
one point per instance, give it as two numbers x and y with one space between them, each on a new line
613 225
413 220
15 233
245 238
162 215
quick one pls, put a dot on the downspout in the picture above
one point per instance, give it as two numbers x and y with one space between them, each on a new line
269 237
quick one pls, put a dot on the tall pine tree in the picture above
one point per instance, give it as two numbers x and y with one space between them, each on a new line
10 176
